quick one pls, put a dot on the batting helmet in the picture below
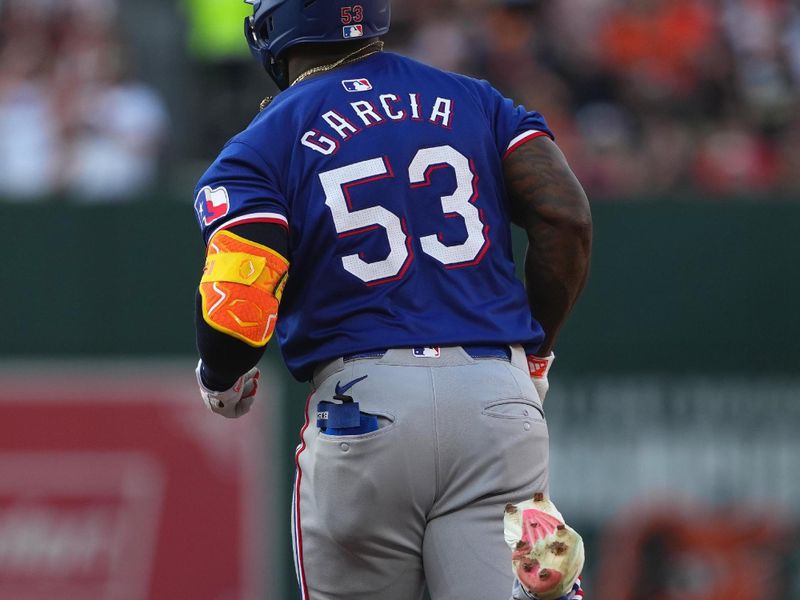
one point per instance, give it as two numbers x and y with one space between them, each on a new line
280 24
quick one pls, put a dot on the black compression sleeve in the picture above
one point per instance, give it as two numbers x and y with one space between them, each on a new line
224 357
270 235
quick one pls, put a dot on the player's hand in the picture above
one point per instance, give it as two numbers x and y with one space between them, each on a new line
538 368
235 401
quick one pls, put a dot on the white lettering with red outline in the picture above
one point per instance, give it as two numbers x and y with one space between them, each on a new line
340 125
369 113
366 112
315 140
442 109
348 221
384 100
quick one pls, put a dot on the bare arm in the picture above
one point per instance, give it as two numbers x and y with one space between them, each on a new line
549 203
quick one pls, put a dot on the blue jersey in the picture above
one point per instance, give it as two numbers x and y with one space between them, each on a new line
387 174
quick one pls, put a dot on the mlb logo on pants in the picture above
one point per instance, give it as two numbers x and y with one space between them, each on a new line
352 31
428 352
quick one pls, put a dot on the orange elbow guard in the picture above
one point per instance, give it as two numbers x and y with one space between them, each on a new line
241 287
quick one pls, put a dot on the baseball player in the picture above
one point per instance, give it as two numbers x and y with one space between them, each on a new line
365 216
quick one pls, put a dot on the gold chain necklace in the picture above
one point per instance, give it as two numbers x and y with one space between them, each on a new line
361 53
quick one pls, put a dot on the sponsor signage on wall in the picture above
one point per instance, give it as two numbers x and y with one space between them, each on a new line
124 487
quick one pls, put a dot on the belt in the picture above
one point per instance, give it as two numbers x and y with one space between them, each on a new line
477 352
513 354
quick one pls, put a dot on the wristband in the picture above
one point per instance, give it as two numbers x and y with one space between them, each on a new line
539 367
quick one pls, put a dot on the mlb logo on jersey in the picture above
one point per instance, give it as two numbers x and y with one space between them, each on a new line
352 31
356 85
428 352
212 204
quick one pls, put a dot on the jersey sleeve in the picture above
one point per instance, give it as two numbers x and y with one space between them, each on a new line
240 187
512 125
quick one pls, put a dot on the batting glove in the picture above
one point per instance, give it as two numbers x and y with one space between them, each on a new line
538 368
547 554
235 401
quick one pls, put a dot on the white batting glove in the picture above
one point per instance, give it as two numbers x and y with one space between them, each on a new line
538 368
547 554
235 401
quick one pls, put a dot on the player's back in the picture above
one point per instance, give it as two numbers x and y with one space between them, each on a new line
389 175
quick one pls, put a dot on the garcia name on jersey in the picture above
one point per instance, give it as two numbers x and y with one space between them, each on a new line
389 108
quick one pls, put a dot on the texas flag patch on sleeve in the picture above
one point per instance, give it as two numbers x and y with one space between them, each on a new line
212 204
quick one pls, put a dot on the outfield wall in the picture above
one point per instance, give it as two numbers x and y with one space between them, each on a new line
674 286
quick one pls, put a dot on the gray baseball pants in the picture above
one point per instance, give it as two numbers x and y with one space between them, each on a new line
420 501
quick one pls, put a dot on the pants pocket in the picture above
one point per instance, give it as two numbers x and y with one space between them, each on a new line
514 408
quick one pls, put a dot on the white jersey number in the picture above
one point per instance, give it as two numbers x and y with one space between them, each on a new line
337 182
460 202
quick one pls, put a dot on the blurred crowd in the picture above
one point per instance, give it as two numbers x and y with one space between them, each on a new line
646 97
74 120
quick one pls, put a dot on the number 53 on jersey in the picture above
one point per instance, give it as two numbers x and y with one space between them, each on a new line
336 184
